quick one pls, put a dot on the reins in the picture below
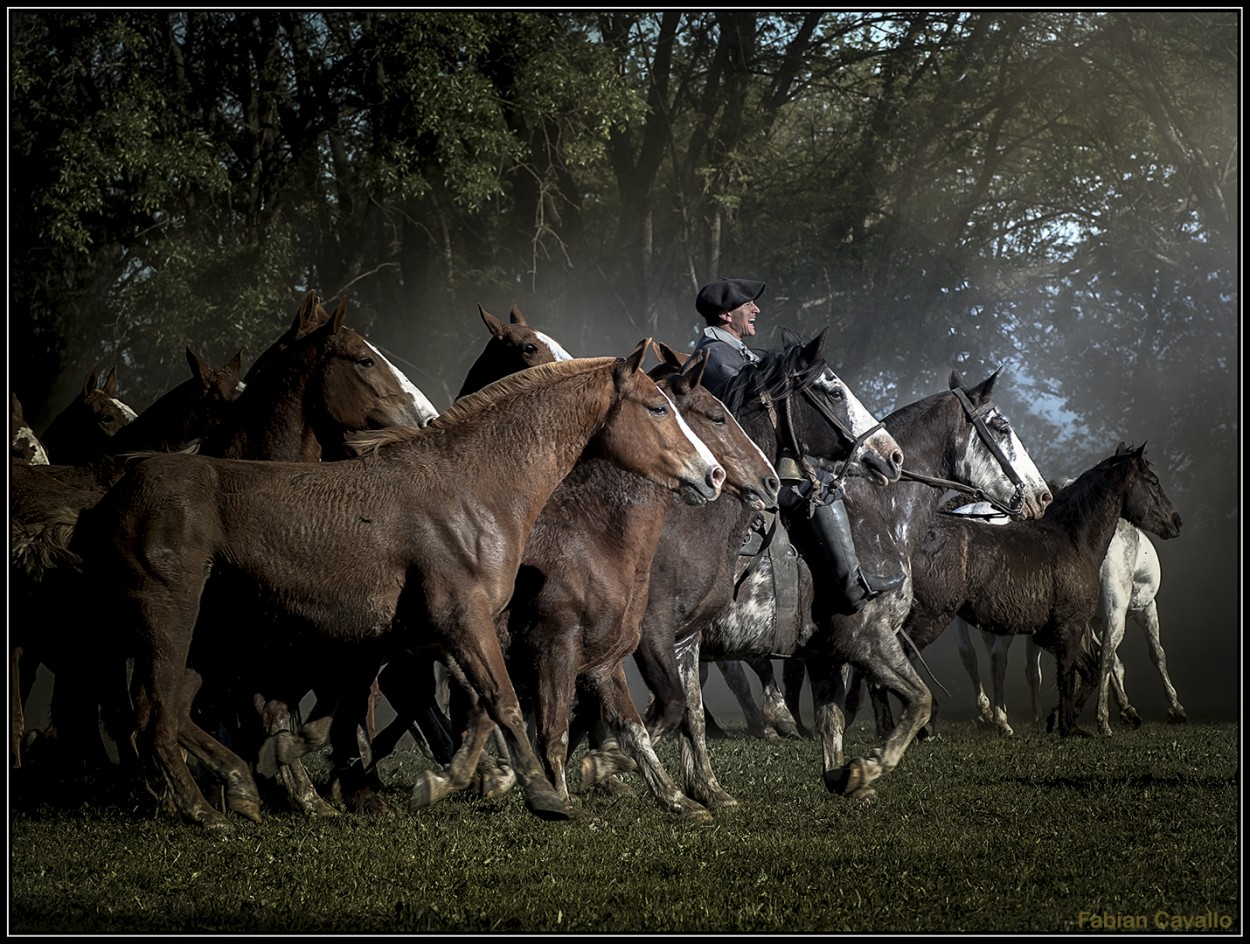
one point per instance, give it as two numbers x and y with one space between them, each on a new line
976 416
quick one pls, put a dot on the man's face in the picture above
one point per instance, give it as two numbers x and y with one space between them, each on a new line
741 321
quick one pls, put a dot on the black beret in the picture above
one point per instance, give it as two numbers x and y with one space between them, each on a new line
726 295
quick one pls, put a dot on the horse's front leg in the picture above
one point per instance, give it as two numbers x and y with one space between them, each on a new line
698 777
1148 619
474 646
888 667
829 690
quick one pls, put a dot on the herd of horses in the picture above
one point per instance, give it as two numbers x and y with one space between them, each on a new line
190 573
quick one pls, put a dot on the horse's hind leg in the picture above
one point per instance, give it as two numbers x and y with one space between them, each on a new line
241 794
1148 618
829 690
968 659
793 671
622 717
778 721
1000 647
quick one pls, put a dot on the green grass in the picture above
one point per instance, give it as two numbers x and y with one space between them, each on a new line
971 833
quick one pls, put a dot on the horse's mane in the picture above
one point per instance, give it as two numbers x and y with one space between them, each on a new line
523 381
776 374
1080 495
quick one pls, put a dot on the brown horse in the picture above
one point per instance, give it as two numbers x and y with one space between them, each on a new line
318 374
411 547
84 429
576 611
1040 578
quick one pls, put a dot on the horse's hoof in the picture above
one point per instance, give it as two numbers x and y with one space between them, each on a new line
597 766
696 813
1050 723
1130 718
552 808
865 796
496 782
1177 716
614 786
846 780
371 804
427 789
245 806
216 825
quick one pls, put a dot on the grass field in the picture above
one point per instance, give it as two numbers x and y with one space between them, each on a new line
971 833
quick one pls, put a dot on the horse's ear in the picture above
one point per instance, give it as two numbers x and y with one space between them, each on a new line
955 381
110 382
89 383
16 413
493 324
307 313
236 363
1121 449
669 356
340 314
981 392
199 369
516 317
814 349
639 354
694 367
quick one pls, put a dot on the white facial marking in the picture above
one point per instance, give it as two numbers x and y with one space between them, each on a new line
126 411
701 448
26 438
425 409
554 347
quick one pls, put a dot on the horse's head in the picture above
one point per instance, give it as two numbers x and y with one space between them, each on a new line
26 447
748 473
994 460
811 412
646 434
1145 503
358 388
84 430
513 346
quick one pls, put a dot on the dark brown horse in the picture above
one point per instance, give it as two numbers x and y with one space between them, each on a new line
512 346
1039 578
414 546
955 436
84 429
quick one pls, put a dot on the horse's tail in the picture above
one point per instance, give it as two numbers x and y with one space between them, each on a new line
42 547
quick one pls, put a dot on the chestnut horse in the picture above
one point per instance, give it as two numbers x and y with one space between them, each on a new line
413 546
1040 578
955 437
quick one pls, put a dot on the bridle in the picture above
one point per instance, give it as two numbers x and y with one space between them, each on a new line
976 416
784 425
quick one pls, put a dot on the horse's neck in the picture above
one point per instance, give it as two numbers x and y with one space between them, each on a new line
266 424
1091 522
480 374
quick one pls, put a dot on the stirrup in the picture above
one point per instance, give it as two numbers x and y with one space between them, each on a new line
875 585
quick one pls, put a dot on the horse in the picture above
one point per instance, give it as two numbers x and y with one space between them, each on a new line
512 346
957 437
575 613
320 374
25 446
83 430
1129 580
1039 577
411 546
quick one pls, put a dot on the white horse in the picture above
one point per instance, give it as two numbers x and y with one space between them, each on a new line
1130 576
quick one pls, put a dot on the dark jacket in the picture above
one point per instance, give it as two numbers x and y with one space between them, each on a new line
724 358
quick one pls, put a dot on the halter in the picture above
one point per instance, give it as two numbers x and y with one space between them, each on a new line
976 416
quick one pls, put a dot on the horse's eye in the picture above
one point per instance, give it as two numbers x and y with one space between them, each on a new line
838 393
661 410
366 362
530 349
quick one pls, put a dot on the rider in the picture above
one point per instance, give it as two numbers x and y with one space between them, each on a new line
728 306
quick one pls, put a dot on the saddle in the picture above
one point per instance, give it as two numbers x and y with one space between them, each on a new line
768 536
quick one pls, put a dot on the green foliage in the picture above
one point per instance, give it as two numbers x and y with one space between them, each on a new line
971 833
